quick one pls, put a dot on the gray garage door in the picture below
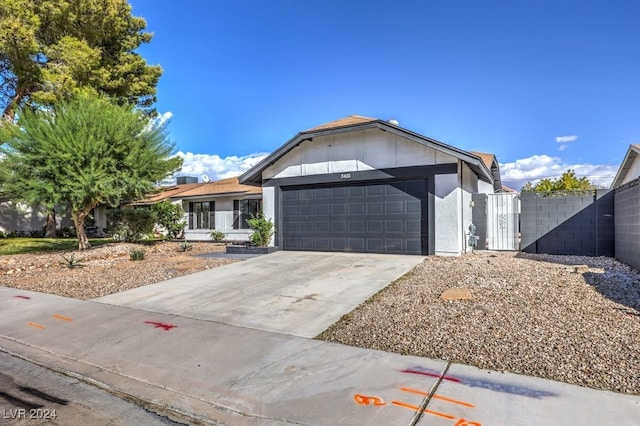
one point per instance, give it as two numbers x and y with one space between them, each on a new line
370 217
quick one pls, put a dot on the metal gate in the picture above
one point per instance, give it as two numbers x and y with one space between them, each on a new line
503 221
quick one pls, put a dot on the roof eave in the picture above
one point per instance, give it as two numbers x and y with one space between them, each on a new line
630 156
253 176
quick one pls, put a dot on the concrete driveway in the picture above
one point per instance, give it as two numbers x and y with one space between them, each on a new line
297 293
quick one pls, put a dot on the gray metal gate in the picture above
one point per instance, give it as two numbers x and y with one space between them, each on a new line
503 221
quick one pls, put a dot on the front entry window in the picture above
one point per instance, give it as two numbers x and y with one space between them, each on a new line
243 210
202 215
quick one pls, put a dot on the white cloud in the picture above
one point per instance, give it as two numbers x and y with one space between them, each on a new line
563 147
159 120
536 167
565 139
216 167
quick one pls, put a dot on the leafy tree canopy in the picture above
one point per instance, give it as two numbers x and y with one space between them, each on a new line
84 152
50 48
567 182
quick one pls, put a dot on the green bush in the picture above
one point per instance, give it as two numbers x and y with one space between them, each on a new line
170 216
136 254
130 224
262 228
217 236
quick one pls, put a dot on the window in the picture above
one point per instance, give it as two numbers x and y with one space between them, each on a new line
243 210
202 215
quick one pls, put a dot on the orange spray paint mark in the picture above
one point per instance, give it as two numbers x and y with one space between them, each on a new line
440 397
416 408
368 400
63 318
23 297
34 325
465 422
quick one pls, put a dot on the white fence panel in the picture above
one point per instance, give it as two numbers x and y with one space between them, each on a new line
503 221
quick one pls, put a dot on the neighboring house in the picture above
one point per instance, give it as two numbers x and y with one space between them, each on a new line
630 167
366 185
21 217
222 206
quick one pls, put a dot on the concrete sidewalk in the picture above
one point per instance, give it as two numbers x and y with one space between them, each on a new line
199 370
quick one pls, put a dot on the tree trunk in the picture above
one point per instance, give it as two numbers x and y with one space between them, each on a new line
50 228
78 220
9 112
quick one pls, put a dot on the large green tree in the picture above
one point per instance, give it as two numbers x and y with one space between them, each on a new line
50 48
567 182
82 153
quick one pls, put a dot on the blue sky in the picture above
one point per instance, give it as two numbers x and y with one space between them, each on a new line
544 85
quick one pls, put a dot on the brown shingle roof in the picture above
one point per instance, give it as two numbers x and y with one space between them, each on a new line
487 159
346 121
223 186
165 193
219 187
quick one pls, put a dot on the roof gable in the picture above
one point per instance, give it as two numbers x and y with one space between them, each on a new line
630 157
354 123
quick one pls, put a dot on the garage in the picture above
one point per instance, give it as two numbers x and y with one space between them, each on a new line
369 217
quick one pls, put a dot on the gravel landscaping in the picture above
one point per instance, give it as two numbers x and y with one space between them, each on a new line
528 314
105 269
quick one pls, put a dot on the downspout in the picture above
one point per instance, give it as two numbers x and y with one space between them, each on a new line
461 185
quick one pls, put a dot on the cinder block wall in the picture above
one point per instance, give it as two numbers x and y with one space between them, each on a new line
572 223
627 223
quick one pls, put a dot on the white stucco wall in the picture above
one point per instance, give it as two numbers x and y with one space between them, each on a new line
223 218
447 221
354 151
268 203
485 187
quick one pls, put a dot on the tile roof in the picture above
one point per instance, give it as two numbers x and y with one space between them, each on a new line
346 121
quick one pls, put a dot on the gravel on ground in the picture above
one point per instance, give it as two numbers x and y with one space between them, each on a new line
528 314
105 269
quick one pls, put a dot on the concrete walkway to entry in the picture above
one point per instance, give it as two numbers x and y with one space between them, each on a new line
298 293
199 370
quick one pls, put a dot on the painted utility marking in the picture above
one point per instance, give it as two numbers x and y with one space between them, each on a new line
368 400
36 325
63 318
465 422
430 373
165 327
436 396
482 383
416 408
22 297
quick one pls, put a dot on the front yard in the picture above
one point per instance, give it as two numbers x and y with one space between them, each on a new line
529 314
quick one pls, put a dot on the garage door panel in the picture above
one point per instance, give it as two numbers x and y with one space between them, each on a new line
394 207
372 217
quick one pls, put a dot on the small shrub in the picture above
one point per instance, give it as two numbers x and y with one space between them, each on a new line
3 234
71 261
262 230
130 224
185 246
217 236
170 216
136 254
37 233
